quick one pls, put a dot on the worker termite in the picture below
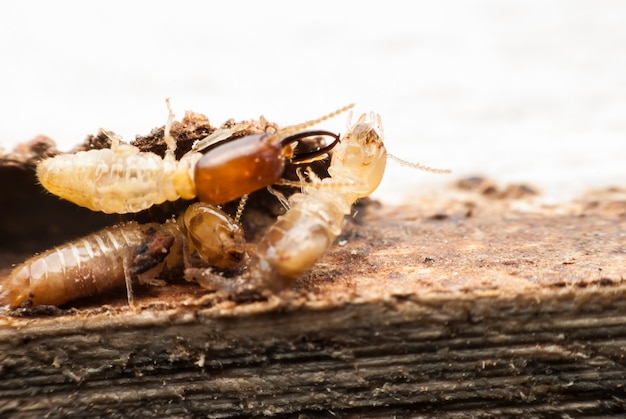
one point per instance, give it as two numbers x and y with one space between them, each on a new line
88 266
124 179
314 219
115 255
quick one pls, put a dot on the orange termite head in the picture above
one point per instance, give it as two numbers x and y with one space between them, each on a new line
232 169
236 168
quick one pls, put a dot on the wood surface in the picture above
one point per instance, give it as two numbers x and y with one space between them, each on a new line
474 301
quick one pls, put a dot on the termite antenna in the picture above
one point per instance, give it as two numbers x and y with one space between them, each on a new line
167 136
113 137
279 195
240 207
417 165
293 129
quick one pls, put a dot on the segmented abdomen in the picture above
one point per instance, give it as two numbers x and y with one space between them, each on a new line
82 268
298 239
119 180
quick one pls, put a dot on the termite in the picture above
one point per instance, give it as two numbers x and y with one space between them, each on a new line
115 255
233 169
214 236
124 179
301 236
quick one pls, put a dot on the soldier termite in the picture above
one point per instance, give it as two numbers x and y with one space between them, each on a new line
124 179
113 256
301 236
233 169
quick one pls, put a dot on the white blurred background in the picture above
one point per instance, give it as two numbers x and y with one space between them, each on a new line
519 91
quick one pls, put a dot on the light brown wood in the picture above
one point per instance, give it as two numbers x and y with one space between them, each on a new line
465 303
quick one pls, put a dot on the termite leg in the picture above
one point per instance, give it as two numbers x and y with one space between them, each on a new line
280 196
167 136
306 157
313 180
214 236
115 139
239 286
215 137
129 285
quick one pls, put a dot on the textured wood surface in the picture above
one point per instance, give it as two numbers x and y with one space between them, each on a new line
471 302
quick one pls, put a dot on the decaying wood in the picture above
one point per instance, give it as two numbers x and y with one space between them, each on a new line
475 301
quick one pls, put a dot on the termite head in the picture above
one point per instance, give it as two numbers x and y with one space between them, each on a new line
363 153
237 167
214 235
231 169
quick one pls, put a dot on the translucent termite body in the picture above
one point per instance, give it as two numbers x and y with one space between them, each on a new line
314 219
124 179
113 256
117 180
88 266
215 237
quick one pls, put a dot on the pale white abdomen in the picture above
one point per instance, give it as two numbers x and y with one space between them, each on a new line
298 239
119 180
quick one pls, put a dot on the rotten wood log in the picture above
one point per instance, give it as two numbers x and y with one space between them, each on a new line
475 301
